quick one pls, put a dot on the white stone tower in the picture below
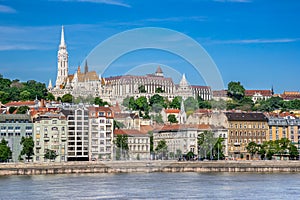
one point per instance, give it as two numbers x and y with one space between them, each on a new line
62 61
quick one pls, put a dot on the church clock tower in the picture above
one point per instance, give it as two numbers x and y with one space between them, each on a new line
62 61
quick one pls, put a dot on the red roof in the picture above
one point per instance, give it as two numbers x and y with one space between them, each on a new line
172 111
129 132
20 103
262 92
290 95
104 109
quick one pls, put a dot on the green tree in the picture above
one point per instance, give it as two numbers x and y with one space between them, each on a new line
12 109
209 146
176 102
67 98
22 110
28 145
204 104
25 95
252 148
126 102
191 104
246 104
4 97
50 154
50 97
190 155
142 103
118 125
219 105
172 118
235 90
132 104
158 118
100 102
157 99
5 152
162 148
142 89
293 152
150 133
121 142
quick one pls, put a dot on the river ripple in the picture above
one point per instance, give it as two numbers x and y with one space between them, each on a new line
153 186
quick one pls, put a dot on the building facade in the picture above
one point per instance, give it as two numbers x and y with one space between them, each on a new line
12 128
138 143
115 89
50 133
79 84
101 122
244 128
284 127
77 133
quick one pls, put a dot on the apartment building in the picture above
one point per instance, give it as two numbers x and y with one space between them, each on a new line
101 120
50 133
244 128
77 132
12 128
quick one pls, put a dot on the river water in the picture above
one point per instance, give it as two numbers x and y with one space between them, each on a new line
153 186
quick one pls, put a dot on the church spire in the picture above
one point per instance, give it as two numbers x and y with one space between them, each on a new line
86 67
62 38
183 82
50 85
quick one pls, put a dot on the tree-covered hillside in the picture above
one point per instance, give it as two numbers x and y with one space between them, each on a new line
14 90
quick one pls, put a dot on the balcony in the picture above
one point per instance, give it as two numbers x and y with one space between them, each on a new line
237 144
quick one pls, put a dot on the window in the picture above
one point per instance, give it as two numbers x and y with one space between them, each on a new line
101 114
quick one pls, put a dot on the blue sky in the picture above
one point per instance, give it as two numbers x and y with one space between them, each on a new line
256 42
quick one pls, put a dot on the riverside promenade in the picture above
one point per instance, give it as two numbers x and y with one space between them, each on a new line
147 167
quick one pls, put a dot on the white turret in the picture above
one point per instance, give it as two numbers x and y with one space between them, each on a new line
50 85
62 61
183 82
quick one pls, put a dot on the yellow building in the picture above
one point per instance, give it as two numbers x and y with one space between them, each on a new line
284 127
244 128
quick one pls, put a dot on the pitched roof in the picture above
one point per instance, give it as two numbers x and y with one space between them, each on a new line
251 116
20 103
130 133
168 111
4 117
262 92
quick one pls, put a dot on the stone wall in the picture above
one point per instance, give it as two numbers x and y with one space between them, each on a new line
148 167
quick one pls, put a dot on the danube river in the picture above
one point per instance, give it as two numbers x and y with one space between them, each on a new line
153 186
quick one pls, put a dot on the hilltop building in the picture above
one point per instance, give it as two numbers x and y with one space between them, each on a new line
114 89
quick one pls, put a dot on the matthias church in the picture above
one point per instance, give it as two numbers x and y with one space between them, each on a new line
85 83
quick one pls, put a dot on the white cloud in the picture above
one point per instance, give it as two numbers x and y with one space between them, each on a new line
7 9
108 2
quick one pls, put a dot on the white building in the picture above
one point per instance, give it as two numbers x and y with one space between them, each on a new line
138 143
101 133
78 133
115 89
